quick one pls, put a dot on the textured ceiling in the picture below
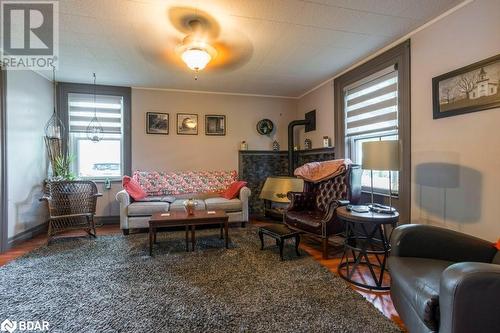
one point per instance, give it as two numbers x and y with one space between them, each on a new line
284 47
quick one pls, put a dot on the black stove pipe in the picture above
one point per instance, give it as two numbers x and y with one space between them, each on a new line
291 126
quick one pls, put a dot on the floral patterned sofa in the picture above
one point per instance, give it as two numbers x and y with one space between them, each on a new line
166 191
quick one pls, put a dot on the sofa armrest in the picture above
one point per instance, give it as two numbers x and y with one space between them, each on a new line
244 195
469 298
301 200
332 207
123 198
425 241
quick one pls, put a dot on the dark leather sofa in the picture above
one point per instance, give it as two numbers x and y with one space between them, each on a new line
444 281
313 211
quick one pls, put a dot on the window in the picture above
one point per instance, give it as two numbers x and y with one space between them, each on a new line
372 102
371 114
110 158
101 159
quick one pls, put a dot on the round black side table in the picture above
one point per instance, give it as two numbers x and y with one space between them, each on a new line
366 244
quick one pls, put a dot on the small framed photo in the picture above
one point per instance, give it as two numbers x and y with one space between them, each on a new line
187 124
215 124
157 123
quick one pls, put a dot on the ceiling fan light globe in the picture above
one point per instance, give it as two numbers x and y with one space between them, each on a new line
196 59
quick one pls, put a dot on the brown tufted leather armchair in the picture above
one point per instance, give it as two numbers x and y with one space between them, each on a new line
313 211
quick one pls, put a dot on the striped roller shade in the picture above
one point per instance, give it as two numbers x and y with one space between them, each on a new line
108 108
371 105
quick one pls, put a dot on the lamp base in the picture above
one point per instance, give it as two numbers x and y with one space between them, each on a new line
381 209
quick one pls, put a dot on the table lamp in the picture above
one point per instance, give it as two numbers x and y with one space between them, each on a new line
275 190
381 156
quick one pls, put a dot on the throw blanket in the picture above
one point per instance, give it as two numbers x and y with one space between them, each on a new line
316 172
156 183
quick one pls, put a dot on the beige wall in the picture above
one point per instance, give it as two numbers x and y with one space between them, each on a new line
321 100
29 107
466 197
200 152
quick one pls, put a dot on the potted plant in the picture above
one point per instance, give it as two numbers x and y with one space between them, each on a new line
61 167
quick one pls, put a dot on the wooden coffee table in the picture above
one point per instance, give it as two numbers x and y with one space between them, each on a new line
182 219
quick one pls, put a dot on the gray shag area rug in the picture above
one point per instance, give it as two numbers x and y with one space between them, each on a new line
110 284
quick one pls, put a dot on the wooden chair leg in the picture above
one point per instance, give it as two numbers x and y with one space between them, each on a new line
93 226
49 233
325 248
91 229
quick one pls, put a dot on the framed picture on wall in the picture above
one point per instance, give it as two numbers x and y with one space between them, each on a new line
467 89
215 125
157 123
187 124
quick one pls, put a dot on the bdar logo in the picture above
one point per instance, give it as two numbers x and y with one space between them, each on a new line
8 326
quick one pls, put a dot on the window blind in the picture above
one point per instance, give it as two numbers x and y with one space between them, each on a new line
108 110
371 105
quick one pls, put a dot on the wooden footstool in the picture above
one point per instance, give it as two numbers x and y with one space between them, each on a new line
280 233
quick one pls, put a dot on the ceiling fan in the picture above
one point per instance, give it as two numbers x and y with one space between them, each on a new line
197 40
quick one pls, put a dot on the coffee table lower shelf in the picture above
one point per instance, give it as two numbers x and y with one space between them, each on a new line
182 219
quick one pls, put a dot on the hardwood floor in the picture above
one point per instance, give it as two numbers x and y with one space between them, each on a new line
381 300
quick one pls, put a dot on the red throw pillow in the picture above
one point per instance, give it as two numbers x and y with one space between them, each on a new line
497 245
233 190
133 188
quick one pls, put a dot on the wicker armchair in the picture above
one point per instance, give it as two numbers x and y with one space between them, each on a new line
71 205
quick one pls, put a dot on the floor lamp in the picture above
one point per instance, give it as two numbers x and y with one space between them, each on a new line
382 156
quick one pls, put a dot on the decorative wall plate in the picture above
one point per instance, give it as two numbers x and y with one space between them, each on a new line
265 127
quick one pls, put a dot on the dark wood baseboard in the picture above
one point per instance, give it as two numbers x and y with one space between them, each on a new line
27 234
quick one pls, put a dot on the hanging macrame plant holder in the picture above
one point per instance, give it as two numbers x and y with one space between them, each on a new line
54 133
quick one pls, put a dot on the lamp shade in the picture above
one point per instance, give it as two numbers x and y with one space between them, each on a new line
276 188
381 155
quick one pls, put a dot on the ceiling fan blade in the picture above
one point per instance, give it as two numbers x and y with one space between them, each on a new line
230 56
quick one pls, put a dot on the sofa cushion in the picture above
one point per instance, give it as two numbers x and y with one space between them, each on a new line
178 205
309 221
175 183
232 205
417 280
158 198
139 208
